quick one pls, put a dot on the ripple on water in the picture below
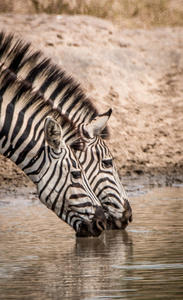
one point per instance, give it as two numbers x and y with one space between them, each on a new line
42 259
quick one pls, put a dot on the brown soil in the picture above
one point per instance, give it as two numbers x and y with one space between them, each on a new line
139 73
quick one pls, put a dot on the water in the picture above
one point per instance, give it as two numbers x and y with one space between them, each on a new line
41 258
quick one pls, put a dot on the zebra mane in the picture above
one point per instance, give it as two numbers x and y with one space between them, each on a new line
23 97
43 76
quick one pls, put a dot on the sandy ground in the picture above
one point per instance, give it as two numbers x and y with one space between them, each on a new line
139 73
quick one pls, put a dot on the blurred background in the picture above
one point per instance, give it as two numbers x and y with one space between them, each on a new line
131 13
126 54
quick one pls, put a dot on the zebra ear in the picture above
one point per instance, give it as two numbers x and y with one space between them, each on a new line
53 133
96 126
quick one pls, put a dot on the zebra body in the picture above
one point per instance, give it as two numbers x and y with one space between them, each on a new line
64 94
40 141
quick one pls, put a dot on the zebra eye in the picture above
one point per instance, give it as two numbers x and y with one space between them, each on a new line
76 174
107 163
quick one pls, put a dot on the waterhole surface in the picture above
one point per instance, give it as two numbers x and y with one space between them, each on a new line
40 258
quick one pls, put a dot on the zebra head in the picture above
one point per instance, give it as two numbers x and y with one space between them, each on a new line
63 186
102 174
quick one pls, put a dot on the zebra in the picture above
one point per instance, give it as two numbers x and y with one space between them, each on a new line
41 142
67 96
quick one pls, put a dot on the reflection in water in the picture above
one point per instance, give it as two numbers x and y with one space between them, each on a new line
42 259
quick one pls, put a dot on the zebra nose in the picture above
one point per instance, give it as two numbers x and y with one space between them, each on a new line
95 226
127 214
99 221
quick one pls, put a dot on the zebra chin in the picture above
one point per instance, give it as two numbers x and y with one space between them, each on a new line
123 221
95 227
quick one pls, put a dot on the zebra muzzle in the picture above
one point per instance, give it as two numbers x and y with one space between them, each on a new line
121 222
126 217
95 227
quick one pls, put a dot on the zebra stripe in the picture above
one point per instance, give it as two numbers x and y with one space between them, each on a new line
29 141
66 95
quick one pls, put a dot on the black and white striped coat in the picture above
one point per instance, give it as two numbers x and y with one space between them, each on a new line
66 95
40 141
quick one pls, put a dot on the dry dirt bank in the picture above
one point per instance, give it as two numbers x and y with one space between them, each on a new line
138 73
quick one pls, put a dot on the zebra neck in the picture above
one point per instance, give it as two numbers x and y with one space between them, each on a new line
20 139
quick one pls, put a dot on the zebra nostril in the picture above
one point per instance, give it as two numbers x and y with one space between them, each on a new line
130 218
99 221
101 225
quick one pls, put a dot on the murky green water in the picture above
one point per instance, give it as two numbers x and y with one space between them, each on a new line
40 258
